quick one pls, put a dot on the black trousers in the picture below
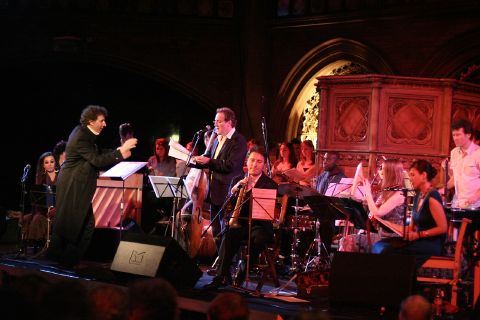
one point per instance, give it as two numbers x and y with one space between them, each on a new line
232 240
69 252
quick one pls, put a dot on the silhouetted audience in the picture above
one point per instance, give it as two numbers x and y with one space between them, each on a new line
415 307
109 302
68 300
153 299
228 306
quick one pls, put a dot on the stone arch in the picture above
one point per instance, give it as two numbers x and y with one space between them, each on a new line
454 57
321 60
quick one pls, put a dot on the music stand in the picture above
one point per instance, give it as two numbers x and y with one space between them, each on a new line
262 207
121 171
168 187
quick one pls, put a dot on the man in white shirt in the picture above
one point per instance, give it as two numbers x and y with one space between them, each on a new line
464 167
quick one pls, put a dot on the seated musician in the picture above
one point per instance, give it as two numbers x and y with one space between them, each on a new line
332 173
261 232
35 224
428 226
389 205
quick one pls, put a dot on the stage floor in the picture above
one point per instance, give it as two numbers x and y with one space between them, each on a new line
194 301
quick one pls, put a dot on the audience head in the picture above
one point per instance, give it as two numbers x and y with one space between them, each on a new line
91 113
415 307
109 302
421 172
153 299
228 306
59 152
330 160
67 299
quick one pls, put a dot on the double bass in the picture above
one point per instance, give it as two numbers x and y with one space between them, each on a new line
197 188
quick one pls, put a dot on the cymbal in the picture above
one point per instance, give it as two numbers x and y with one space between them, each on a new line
295 189
304 208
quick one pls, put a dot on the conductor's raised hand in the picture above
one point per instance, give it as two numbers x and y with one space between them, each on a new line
126 148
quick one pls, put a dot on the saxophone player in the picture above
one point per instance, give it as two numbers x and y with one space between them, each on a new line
262 231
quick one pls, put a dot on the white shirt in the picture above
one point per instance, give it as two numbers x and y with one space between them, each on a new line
466 174
221 141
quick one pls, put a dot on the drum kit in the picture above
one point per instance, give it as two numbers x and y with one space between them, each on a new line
301 225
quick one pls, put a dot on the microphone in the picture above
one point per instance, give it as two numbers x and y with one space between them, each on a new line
398 189
207 128
25 172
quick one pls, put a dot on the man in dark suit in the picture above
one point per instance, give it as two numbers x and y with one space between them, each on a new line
262 230
225 161
74 222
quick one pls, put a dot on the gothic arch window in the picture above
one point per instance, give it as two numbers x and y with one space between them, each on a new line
309 98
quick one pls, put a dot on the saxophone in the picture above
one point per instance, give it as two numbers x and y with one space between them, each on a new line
233 223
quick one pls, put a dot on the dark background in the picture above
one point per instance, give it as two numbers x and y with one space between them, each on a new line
43 100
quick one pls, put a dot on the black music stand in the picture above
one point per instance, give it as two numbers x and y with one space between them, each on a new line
168 187
42 198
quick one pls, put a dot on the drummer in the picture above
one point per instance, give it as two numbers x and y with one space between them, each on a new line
332 173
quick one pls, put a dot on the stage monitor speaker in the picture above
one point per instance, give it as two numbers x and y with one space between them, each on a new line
105 241
154 256
370 279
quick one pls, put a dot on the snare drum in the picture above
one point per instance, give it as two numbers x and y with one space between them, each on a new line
304 222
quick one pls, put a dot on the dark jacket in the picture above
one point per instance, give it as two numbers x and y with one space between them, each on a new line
229 164
77 181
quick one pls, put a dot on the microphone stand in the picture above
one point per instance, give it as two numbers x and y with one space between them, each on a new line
265 142
21 239
181 184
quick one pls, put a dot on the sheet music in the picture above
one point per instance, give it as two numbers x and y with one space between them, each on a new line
334 189
178 151
294 174
356 179
263 204
166 187
123 170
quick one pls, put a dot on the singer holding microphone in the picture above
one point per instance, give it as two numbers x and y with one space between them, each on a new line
224 160
74 222
261 232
